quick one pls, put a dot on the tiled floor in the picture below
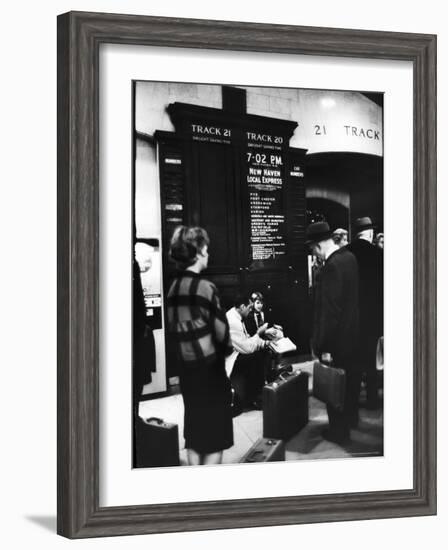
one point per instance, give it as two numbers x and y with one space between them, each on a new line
308 444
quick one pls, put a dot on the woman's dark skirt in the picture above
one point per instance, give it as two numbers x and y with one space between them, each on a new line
206 391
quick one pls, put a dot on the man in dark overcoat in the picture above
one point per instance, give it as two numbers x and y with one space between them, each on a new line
370 265
335 323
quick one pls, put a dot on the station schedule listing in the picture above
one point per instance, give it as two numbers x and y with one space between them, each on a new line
265 180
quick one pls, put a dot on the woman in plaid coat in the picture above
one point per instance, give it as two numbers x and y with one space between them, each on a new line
200 330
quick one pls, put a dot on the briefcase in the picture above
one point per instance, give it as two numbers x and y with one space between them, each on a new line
156 443
285 405
329 385
265 450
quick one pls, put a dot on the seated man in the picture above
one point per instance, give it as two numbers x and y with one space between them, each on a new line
247 364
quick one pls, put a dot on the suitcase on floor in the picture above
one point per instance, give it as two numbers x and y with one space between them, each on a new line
329 385
265 450
156 444
285 405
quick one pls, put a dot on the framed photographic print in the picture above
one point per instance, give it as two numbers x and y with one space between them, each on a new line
246 219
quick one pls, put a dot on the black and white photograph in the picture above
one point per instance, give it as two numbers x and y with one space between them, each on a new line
223 223
258 303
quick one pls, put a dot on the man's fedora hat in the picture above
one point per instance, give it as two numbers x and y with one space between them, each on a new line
316 232
363 223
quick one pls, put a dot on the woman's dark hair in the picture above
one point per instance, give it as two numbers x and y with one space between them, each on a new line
256 296
186 243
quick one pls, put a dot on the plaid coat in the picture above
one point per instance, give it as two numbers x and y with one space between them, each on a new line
196 321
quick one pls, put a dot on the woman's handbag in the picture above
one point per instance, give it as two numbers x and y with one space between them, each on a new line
329 385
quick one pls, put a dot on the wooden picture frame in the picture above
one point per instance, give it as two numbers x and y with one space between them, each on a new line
79 38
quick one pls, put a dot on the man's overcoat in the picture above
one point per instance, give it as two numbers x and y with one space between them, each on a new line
336 315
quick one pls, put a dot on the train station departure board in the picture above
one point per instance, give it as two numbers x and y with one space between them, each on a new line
265 181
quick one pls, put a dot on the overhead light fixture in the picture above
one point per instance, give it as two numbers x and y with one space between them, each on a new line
328 102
